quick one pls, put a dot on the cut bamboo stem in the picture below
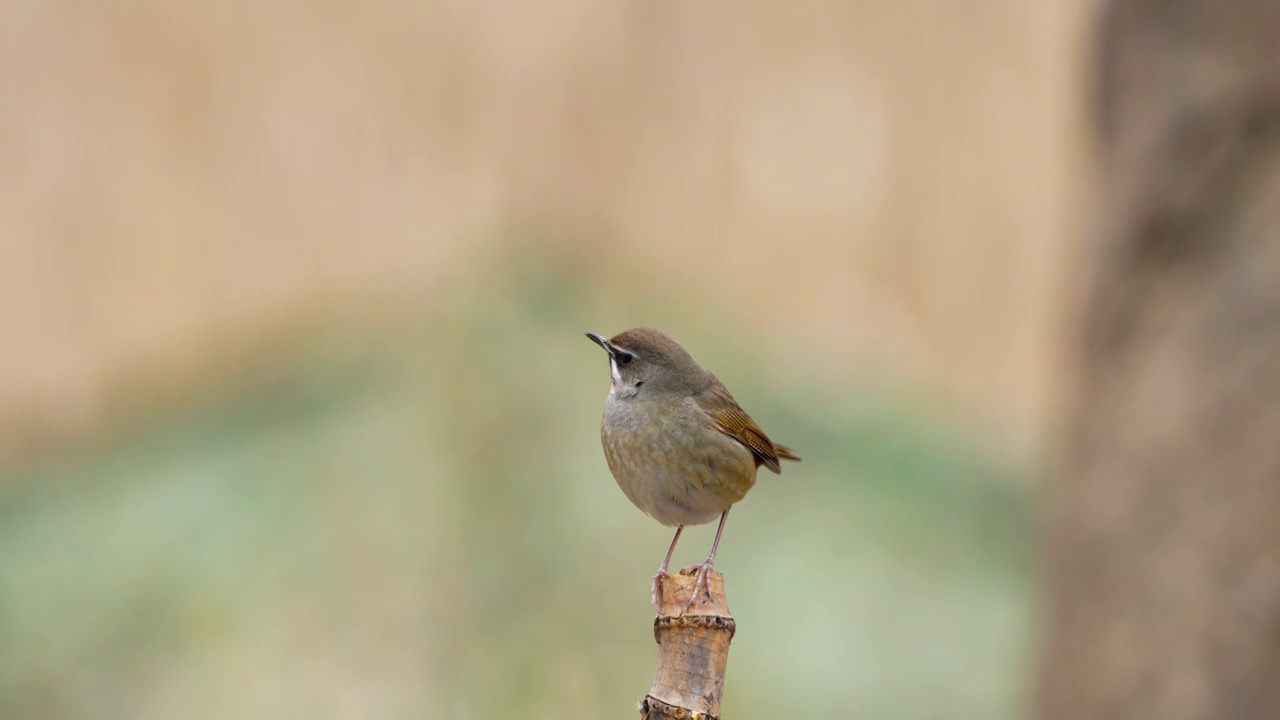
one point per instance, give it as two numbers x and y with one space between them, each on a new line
693 650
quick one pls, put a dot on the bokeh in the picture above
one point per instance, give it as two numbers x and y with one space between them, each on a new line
296 414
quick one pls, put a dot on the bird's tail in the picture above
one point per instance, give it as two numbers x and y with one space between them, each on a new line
785 453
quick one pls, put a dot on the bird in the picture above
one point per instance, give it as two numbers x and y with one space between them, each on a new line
679 446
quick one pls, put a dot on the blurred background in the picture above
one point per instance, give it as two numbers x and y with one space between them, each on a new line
296 414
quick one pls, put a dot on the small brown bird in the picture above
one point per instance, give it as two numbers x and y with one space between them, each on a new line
678 444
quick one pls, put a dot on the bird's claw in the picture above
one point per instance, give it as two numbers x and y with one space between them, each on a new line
655 592
700 586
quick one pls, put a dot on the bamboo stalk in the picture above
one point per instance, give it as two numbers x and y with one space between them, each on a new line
693 650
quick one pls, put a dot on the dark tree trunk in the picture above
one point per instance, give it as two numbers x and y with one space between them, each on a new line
1164 531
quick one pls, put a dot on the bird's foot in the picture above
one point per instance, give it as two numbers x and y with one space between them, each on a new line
655 593
699 585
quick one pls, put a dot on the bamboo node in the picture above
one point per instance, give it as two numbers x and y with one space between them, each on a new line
652 708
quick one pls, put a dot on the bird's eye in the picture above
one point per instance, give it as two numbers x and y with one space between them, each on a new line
624 359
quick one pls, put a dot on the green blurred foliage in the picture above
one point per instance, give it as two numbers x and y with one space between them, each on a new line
422 526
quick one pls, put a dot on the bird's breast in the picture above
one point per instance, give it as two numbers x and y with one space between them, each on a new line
670 463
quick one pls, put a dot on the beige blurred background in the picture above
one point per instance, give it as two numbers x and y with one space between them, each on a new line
886 182
330 262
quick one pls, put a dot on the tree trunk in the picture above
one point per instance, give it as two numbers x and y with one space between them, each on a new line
1164 527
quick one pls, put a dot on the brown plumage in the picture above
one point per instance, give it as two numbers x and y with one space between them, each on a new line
678 444
733 421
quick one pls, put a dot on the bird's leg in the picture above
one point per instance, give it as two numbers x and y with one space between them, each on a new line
700 585
655 593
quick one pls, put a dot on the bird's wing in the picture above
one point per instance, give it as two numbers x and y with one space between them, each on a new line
730 419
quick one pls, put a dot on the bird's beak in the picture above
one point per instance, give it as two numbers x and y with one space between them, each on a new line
601 340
